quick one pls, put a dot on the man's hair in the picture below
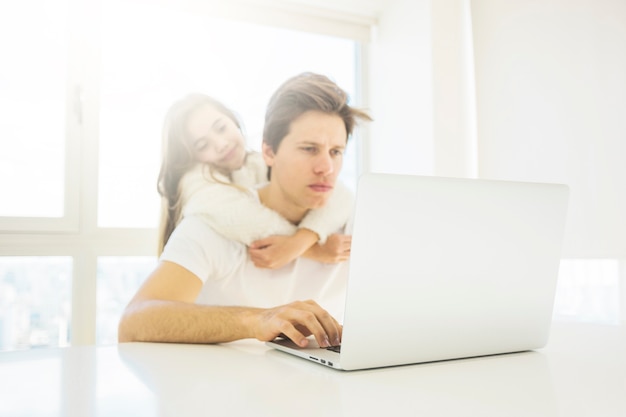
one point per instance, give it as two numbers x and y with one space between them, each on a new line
302 93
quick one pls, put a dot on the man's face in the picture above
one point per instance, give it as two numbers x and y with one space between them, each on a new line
308 160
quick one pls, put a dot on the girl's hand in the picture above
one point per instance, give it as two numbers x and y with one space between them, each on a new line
335 250
274 252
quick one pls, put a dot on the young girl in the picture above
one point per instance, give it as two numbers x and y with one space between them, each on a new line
207 171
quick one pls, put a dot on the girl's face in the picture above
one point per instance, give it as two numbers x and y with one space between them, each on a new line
215 139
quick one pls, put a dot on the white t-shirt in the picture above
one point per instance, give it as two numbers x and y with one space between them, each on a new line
230 278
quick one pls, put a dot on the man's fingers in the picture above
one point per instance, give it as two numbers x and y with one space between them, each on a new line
329 332
297 324
290 331
302 318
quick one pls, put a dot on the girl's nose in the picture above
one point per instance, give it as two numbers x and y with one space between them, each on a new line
221 144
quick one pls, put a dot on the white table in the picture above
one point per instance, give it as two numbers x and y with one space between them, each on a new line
582 372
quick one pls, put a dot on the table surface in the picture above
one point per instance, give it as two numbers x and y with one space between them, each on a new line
581 372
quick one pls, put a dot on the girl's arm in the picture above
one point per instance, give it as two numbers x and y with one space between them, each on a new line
323 221
314 238
333 216
237 215
232 211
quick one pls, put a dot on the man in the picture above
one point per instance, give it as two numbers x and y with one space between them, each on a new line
206 289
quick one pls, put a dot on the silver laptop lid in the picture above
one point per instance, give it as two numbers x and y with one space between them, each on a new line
445 268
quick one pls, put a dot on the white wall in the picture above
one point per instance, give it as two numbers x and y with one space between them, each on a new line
421 86
400 90
551 105
454 99
550 101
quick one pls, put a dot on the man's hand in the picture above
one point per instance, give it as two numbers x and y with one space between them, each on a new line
335 250
296 321
277 251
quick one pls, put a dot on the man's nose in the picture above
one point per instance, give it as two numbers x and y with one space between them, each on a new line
324 164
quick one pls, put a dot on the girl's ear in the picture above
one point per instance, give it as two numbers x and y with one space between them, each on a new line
268 154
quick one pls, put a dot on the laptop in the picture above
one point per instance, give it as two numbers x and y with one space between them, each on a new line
446 268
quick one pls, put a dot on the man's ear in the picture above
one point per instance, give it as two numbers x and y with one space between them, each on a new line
268 154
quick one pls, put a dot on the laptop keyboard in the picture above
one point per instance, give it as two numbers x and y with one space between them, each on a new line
334 348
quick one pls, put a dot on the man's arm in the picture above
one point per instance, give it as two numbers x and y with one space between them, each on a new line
163 310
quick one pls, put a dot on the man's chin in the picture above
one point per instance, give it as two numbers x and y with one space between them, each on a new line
317 203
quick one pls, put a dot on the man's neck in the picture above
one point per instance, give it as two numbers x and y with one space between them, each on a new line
276 200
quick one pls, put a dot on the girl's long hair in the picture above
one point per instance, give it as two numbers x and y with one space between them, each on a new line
178 158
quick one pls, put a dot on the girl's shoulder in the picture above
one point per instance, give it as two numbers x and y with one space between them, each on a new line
253 171
203 172
255 158
197 177
255 162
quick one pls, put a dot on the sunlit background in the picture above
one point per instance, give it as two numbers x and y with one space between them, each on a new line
84 86
240 64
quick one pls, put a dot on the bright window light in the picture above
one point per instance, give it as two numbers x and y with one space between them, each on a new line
176 53
32 108
35 301
118 279
589 290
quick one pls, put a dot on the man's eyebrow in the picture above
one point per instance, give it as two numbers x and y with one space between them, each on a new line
311 142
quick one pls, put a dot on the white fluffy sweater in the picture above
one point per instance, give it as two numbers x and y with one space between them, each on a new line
237 213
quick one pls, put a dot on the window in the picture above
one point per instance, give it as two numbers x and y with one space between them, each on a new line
81 117
589 290
33 81
118 279
35 301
